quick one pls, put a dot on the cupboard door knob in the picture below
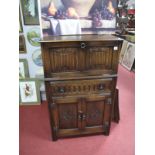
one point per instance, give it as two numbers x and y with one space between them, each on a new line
83 117
83 45
80 113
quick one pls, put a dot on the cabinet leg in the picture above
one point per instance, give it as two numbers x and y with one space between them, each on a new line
54 138
54 135
106 128
116 114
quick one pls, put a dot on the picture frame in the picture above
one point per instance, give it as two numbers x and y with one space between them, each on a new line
22 44
123 49
30 12
20 22
29 89
33 36
23 69
76 17
129 56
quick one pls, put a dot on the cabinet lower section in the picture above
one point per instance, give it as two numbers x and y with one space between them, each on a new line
75 116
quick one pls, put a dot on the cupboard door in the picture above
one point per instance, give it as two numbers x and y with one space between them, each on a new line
102 58
65 115
97 114
94 113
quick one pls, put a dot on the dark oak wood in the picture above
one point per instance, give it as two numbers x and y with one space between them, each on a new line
116 113
80 79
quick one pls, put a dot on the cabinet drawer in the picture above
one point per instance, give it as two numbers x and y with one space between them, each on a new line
81 87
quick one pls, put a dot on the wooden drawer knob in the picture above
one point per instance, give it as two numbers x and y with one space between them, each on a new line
61 90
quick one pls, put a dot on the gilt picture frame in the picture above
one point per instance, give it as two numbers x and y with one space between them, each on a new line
30 12
23 69
129 56
29 91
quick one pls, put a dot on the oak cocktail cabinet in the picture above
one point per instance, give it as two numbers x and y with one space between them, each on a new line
80 79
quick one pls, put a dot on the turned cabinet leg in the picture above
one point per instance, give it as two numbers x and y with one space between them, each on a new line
116 114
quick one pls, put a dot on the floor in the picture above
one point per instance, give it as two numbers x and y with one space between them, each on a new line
35 136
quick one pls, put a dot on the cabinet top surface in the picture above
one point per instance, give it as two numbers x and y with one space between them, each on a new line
88 37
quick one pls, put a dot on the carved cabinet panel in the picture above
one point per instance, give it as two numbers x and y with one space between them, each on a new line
99 58
97 113
68 115
94 113
64 59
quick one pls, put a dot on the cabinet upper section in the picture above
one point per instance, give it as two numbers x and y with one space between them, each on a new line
76 56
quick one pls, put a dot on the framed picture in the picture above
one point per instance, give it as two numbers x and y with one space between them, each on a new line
30 12
20 23
124 46
71 17
33 36
23 69
22 45
29 91
129 56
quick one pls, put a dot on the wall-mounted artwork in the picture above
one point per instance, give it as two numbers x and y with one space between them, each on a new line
37 58
30 12
123 49
22 45
23 69
129 56
33 36
29 91
69 17
20 23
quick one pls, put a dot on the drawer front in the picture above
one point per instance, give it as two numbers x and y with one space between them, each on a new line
79 59
81 87
71 57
